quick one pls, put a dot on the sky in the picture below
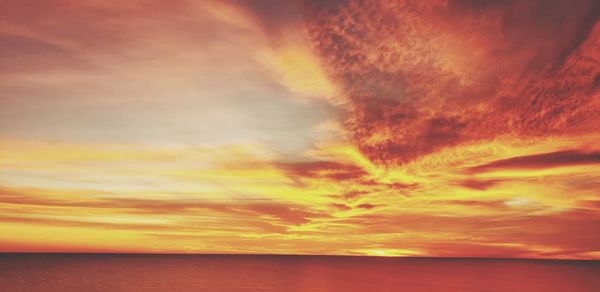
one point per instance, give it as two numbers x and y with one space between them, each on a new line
439 128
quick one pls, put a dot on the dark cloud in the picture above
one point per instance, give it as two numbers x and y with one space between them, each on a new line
421 76
331 170
341 207
540 161
367 206
548 30
352 195
479 184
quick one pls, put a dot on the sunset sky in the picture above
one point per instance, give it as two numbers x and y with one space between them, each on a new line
450 128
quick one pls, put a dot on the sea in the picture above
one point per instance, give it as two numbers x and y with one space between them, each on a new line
282 273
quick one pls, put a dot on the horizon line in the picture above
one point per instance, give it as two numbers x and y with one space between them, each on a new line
298 255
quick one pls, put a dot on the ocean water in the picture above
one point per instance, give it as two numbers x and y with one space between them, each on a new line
223 273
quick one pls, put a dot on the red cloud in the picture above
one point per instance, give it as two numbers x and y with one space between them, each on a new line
422 76
546 160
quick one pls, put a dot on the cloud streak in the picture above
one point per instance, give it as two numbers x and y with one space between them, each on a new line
546 160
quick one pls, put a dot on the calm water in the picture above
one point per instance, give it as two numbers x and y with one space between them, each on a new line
96 272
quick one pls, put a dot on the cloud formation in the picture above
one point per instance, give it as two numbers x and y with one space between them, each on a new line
546 160
403 128
425 76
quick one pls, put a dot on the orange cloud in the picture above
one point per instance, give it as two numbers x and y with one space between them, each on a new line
390 128
545 160
425 76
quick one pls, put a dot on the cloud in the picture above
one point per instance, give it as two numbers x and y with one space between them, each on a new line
269 216
275 16
462 128
479 184
425 76
100 73
366 206
323 169
541 161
